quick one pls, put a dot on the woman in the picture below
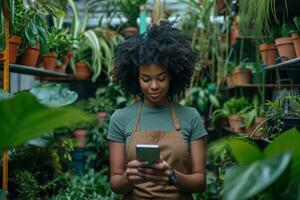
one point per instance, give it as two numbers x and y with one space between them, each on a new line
156 66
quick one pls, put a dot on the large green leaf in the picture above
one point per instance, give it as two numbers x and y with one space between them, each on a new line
245 181
24 118
93 42
54 94
244 152
287 141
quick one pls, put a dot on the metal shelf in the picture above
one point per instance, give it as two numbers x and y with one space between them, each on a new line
22 69
293 64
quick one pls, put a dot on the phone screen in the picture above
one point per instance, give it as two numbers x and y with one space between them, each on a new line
148 153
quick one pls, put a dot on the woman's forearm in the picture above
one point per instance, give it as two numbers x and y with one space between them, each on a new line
120 184
190 182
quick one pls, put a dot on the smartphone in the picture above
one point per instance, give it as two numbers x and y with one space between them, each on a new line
148 153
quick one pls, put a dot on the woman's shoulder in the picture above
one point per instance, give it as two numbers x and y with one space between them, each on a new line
125 112
185 109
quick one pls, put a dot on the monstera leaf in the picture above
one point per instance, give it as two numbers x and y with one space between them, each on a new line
54 94
24 118
244 181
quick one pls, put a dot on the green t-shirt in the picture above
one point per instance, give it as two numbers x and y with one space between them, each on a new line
123 121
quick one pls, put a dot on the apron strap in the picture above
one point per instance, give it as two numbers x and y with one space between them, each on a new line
176 121
137 123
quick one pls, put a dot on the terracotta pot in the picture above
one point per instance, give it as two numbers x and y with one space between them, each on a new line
296 39
80 135
82 71
59 68
102 116
268 53
30 56
129 31
14 43
229 80
286 49
48 61
235 123
241 76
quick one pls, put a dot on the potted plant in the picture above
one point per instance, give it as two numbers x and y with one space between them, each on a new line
14 18
268 49
229 74
285 44
59 43
242 73
34 30
295 35
101 106
233 109
255 120
131 11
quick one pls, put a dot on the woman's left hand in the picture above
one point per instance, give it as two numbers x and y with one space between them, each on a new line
158 173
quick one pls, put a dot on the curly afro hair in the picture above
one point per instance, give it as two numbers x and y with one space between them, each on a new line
162 45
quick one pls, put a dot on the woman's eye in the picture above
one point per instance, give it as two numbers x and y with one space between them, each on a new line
162 79
145 80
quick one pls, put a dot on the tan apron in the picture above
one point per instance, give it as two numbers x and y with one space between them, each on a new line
173 149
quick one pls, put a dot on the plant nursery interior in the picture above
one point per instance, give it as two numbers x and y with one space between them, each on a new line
58 93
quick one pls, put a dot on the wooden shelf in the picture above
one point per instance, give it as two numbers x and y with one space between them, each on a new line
293 64
255 86
22 69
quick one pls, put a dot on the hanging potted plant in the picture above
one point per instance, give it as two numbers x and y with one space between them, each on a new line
285 44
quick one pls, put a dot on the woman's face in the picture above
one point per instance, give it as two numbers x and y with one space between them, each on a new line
154 82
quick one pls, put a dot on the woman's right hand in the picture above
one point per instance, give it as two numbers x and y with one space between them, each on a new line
132 173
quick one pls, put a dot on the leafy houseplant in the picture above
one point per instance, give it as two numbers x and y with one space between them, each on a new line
32 27
233 108
59 42
273 172
203 96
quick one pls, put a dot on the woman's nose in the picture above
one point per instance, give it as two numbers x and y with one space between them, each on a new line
153 85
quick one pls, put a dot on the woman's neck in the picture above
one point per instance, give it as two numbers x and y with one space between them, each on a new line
156 104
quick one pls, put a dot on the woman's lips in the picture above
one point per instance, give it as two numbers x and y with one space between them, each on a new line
154 95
